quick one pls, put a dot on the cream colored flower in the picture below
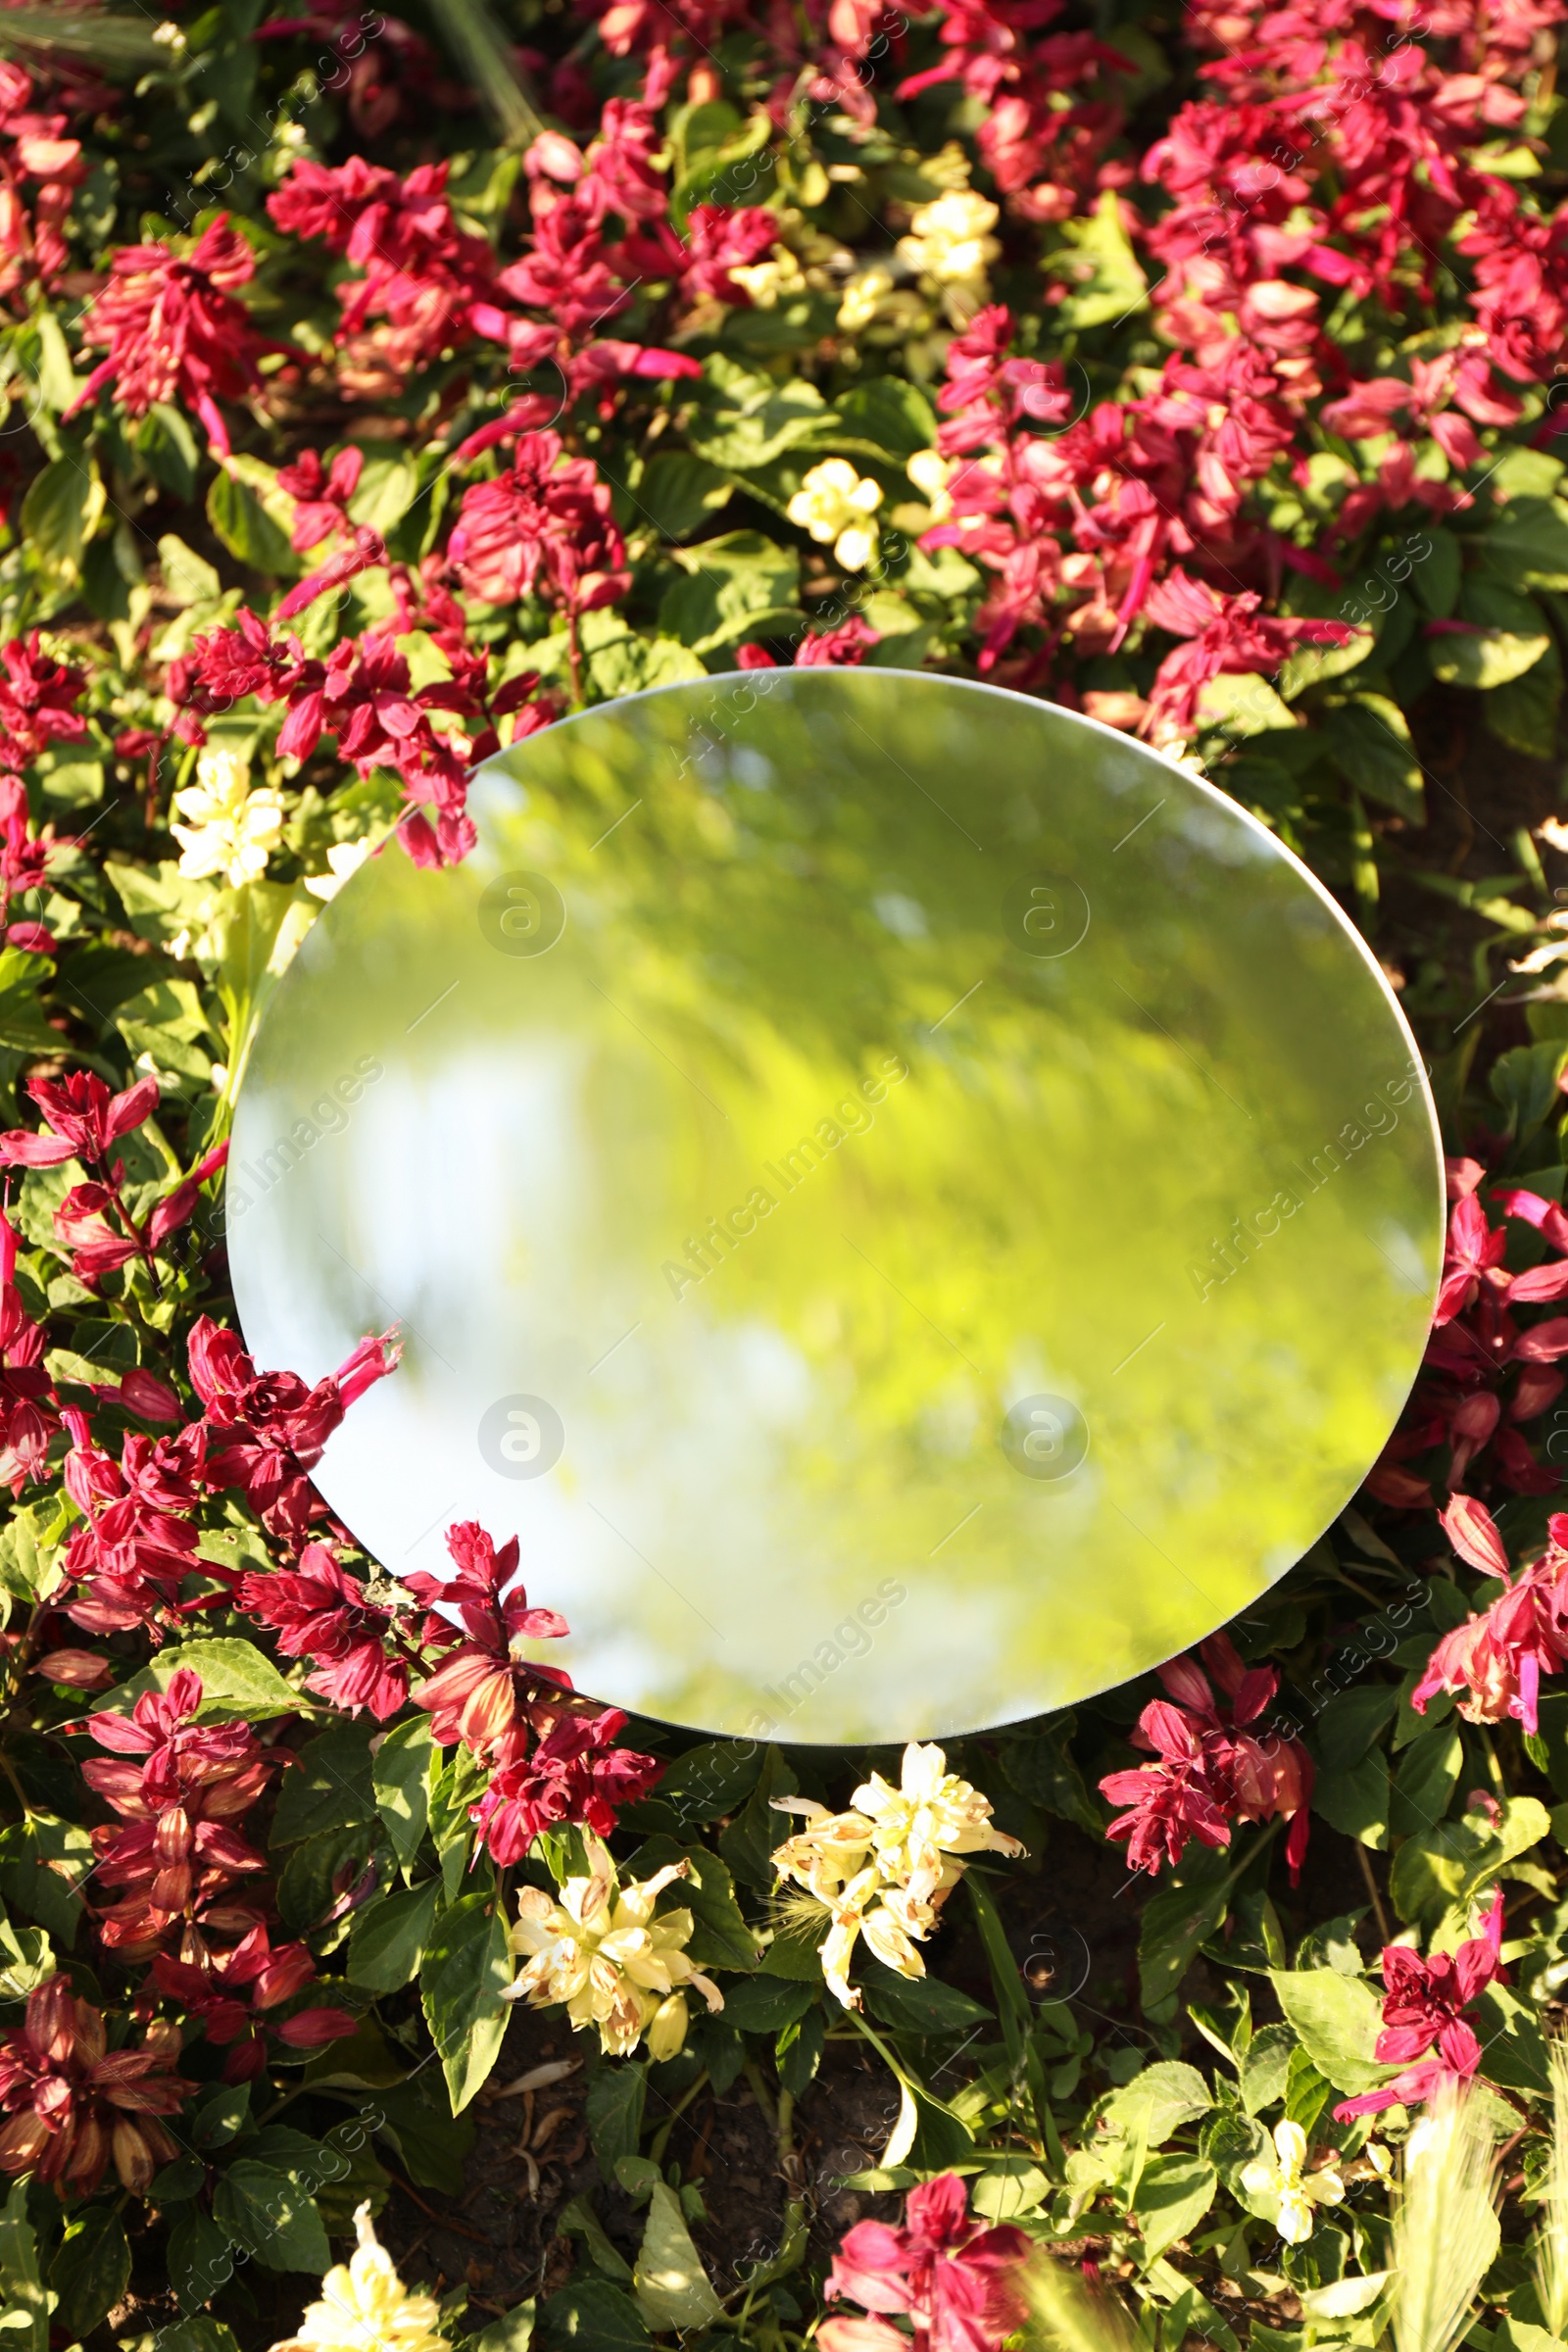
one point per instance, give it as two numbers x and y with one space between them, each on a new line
234 830
930 472
601 1951
364 2305
766 283
930 1815
835 505
1296 2193
950 246
168 34
343 858
884 1869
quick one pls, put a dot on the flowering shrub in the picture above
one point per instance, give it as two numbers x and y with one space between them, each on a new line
374 393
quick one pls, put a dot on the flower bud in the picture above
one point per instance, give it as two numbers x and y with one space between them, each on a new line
668 2029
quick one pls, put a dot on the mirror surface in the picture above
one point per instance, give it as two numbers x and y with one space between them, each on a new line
912 1208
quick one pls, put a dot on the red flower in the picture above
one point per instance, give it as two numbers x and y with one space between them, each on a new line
1498 1657
320 501
1211 1771
36 695
85 1120
321 1612
546 525
1423 2007
487 1685
174 330
956 2278
270 1427
1228 633
138 1536
72 2103
192 1781
573 1775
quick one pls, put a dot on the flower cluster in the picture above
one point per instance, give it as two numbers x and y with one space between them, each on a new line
1212 1770
884 1869
956 2280
604 1954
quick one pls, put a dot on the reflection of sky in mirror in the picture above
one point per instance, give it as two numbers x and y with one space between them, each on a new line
1168 1178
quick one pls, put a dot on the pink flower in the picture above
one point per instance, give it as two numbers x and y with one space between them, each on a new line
1496 1659
174 330
956 2277
321 500
1422 2007
36 695
72 2103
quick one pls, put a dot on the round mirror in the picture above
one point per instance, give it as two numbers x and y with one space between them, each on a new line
911 1207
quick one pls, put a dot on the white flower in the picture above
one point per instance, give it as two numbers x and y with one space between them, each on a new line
365 2307
765 281
343 858
601 1951
1294 2192
835 505
949 244
168 35
234 830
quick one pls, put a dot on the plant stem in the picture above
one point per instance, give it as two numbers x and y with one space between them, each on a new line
1378 1912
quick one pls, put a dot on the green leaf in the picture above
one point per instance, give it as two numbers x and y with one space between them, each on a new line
274 2220
43 1863
796 1955
919 2004
892 413
1241 703
747 420
165 444
625 664
246 528
1436 575
512 2332
1522 712
1355 1799
1438 1875
1513 2042
762 2004
679 492
1174 2192
1339 2020
26 1960
1156 2103
220 2118
317 1872
60 513
589 2315
330 1785
1369 743
671 2287
1264 2068
720 1937
466 1967
201 2259
90 2270
748 1845
22 2287
1525 545
237 1678
617 2091
1044 1770
387 487
1178 1918
1099 264
22 1026
712 1780
201 2333
1484 659
401 1772
188 576
737 586
1428 1771
459 1782
432 2144
387 1941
